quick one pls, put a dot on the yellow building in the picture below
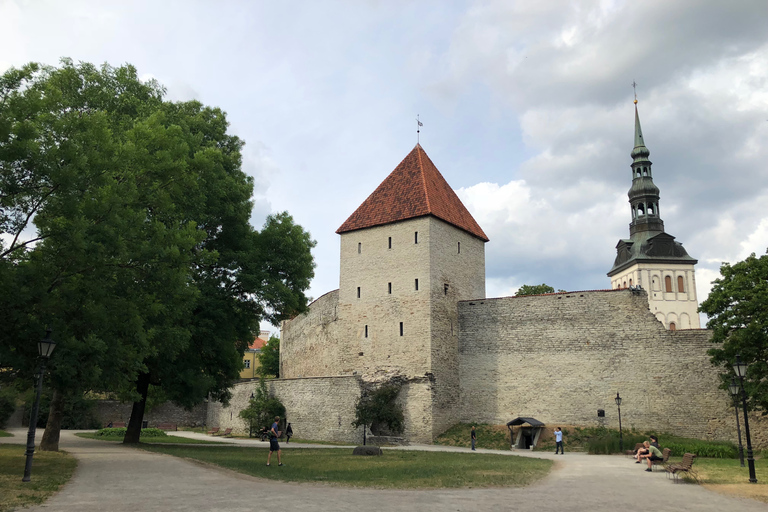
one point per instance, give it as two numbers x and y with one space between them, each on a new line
251 356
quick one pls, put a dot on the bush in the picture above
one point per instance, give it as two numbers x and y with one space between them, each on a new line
120 432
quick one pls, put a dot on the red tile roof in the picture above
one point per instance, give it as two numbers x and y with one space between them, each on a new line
414 189
257 344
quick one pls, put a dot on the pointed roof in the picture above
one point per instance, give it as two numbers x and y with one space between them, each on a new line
414 189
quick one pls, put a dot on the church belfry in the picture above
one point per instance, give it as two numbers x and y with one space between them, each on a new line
650 257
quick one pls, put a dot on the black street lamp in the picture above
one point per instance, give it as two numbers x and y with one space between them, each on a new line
621 436
44 348
741 371
734 389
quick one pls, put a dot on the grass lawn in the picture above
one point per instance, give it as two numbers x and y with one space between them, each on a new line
50 470
394 470
494 437
3 433
145 439
728 477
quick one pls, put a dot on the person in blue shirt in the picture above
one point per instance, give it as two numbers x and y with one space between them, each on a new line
273 444
559 441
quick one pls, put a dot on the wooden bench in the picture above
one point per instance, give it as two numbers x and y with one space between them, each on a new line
167 426
666 452
684 466
633 452
227 433
213 431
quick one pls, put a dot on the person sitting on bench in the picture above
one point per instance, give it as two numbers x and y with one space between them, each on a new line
644 451
652 455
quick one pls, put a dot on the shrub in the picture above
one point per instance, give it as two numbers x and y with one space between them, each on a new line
120 432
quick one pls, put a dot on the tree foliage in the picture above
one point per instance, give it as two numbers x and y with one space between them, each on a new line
269 358
737 308
535 289
125 223
379 409
262 409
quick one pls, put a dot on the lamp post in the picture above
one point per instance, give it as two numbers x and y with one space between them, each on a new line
44 348
740 369
621 436
734 389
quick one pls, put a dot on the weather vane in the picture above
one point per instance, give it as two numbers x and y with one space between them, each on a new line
634 86
418 125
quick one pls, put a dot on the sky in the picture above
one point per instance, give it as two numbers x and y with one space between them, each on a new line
527 111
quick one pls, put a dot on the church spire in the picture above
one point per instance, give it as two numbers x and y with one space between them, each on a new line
643 195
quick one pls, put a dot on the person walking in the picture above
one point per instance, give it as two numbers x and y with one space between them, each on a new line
288 433
559 441
473 437
273 444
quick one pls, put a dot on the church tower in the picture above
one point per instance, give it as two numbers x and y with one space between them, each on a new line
650 257
409 253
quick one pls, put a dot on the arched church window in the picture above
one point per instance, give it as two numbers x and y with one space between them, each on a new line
634 213
680 283
641 209
630 282
359 247
637 173
625 284
650 209
645 171
672 326
668 284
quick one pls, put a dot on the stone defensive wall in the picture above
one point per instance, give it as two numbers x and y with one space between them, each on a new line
318 408
115 411
311 343
561 357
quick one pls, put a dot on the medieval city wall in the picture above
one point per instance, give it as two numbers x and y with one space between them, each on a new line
312 344
318 408
561 357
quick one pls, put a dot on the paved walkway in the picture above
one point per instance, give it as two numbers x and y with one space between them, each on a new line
117 478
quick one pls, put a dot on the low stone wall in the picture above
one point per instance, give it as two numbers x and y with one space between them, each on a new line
114 411
320 408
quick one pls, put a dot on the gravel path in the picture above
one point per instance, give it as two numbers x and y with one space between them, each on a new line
117 478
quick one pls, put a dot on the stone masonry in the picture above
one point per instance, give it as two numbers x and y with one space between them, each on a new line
561 357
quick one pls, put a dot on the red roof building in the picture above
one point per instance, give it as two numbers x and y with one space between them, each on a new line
414 189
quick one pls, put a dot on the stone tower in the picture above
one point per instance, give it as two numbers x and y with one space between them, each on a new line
409 253
650 257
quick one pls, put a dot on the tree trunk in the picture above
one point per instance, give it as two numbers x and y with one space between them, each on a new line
50 441
133 432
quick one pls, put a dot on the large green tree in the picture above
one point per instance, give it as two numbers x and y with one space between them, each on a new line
141 256
269 358
535 289
737 308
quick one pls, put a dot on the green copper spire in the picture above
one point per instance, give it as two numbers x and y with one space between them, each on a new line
647 242
640 152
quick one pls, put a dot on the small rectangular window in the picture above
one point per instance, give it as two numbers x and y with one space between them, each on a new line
445 288
358 292
247 363
359 247
459 252
417 284
390 242
389 285
401 328
366 331
415 237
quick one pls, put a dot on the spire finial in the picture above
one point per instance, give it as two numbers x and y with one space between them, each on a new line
418 125
634 86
